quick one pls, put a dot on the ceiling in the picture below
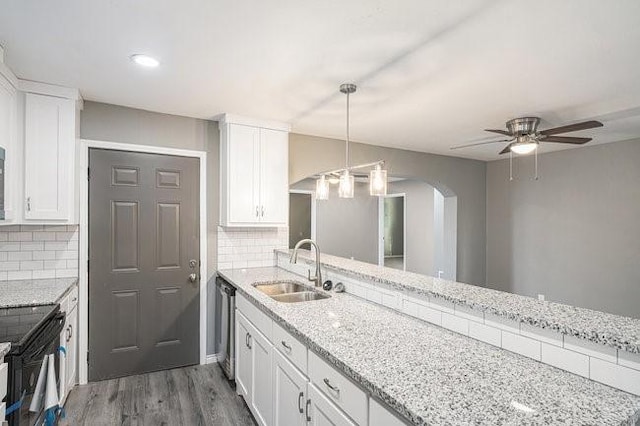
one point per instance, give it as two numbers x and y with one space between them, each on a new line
430 73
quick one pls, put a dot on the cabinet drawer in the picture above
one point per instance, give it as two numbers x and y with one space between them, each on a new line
340 390
258 318
382 416
4 368
290 347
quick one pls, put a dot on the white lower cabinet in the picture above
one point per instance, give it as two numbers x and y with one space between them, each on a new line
253 370
285 384
69 341
289 393
322 412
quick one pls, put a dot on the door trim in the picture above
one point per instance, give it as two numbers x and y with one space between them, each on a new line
83 253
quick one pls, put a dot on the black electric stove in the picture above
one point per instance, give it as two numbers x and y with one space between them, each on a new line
34 332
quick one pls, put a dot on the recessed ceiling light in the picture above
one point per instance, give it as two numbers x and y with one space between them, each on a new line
145 60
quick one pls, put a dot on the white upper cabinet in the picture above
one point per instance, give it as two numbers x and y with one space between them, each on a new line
8 129
49 158
254 173
39 130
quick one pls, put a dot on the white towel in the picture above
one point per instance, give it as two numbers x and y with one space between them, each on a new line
46 388
51 396
38 394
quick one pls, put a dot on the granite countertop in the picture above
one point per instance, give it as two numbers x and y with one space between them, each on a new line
4 349
431 375
33 292
599 327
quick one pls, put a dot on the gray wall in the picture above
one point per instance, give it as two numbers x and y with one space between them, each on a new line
348 227
465 178
573 235
114 123
420 225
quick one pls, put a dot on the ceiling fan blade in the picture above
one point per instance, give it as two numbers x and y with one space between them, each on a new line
507 149
478 143
572 127
502 132
566 139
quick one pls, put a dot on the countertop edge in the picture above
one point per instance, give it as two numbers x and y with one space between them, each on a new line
594 336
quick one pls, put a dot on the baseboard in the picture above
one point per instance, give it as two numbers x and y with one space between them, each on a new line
213 358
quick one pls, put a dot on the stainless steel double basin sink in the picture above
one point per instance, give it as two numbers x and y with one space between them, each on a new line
290 292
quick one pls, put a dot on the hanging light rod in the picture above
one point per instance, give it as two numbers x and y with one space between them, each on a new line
359 166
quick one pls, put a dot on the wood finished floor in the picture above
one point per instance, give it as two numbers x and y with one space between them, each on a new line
198 395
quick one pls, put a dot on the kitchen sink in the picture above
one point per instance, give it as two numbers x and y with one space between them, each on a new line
290 291
284 287
303 296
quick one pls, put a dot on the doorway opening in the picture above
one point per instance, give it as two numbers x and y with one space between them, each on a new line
302 216
391 231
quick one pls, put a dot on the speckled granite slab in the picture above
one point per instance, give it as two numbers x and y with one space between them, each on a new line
430 375
4 349
599 327
33 292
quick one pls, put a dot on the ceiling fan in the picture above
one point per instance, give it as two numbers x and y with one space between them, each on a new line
524 136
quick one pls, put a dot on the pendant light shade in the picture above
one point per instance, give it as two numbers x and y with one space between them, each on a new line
346 188
322 188
378 181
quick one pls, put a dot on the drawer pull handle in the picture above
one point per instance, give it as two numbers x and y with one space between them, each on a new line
246 340
307 409
300 402
287 347
69 332
330 386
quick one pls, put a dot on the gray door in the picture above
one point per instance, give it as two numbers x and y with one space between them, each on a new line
143 247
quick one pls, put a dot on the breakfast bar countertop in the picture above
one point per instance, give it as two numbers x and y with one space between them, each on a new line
430 375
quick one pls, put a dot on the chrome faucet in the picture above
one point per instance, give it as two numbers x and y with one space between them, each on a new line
294 259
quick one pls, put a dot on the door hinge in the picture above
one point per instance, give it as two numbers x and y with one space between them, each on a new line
88 173
87 266
87 357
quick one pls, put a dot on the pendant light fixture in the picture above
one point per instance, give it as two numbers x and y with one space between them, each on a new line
378 181
344 177
322 188
346 188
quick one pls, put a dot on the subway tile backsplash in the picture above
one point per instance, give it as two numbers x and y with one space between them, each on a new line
38 251
249 247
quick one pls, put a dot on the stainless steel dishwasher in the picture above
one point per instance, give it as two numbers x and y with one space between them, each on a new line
227 359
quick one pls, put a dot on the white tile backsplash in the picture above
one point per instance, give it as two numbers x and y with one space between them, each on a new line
250 247
571 361
485 333
629 360
38 251
614 375
521 345
606 353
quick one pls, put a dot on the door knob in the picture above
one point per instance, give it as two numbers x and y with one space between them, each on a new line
193 277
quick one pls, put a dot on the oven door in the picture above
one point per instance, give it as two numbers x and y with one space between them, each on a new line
25 369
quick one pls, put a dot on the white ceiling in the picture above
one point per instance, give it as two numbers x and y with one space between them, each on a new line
431 73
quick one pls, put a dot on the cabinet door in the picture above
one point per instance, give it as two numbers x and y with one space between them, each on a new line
323 412
243 174
244 368
71 340
381 416
289 393
7 141
49 157
261 388
274 177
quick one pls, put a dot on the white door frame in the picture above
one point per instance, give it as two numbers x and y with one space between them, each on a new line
83 277
381 228
313 208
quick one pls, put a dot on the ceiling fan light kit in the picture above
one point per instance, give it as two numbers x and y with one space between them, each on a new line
344 177
525 137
